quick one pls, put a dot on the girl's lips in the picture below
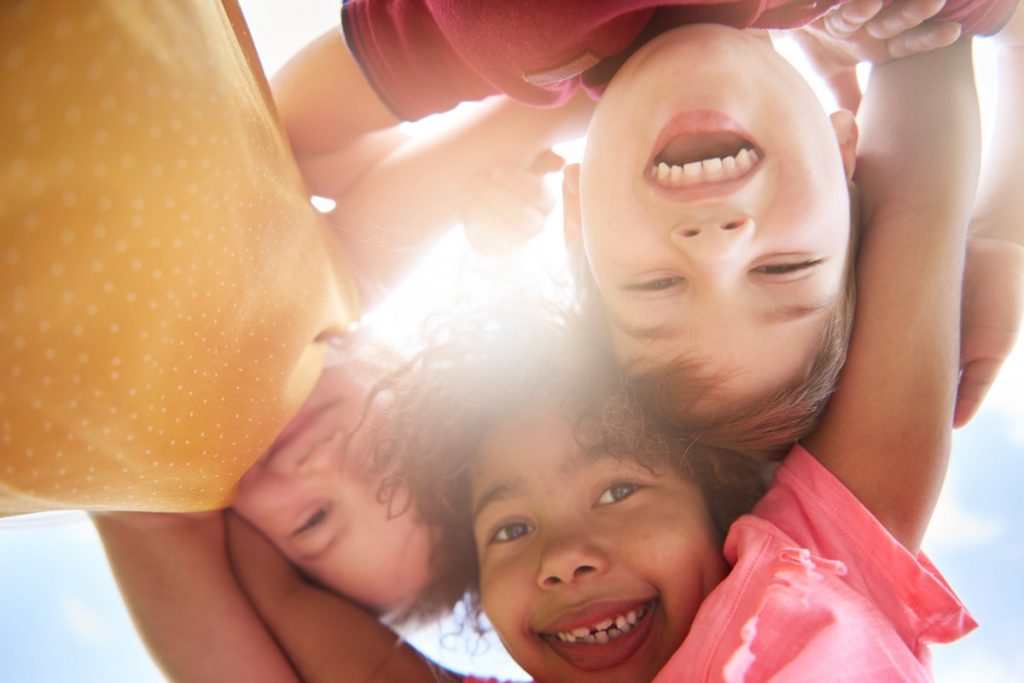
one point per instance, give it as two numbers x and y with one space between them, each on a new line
595 656
699 155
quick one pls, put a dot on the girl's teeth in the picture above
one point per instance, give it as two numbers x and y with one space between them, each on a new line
706 171
604 631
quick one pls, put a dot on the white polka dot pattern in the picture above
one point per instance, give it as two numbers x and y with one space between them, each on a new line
162 276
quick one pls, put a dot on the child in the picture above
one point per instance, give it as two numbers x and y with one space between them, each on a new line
317 495
652 224
598 568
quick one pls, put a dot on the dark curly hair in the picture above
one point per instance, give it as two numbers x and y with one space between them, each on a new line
475 371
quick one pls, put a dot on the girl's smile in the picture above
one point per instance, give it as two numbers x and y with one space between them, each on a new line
591 568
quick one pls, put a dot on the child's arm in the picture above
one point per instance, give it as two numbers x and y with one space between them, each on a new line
327 637
337 126
174 574
886 432
994 273
392 214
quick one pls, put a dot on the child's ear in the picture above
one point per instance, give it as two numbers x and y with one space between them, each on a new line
845 126
571 223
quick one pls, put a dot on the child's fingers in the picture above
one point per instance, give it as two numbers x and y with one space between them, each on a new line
902 16
975 380
847 19
497 221
546 162
846 89
929 36
527 187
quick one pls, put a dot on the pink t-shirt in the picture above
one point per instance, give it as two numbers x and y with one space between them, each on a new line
819 591
426 56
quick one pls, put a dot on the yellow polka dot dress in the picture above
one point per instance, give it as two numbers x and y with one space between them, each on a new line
162 274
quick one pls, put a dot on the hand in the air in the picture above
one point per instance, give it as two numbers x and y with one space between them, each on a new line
992 309
506 205
865 31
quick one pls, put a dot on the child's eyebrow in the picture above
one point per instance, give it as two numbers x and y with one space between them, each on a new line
497 493
793 312
654 332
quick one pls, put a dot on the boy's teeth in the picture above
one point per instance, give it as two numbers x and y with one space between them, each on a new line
705 171
604 631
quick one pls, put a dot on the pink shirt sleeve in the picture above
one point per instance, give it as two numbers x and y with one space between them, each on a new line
819 590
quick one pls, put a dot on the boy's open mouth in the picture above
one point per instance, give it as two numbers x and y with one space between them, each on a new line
701 148
695 159
607 642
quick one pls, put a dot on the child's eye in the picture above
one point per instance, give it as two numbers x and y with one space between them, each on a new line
511 532
656 285
785 268
617 491
314 520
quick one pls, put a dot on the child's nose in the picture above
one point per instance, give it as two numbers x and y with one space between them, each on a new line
714 237
569 562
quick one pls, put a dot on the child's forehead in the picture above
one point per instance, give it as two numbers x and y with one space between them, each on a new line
524 458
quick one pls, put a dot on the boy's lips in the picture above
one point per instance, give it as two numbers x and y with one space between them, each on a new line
700 155
605 638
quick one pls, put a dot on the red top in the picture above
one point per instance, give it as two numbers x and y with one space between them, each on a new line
426 56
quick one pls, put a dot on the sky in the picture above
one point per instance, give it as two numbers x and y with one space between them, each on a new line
61 617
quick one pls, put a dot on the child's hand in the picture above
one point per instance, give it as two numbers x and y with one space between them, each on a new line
865 31
992 309
504 206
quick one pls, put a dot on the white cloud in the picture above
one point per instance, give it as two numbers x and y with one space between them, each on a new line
967 664
1006 398
954 527
85 622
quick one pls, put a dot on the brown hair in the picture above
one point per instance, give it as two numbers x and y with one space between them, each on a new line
479 368
764 425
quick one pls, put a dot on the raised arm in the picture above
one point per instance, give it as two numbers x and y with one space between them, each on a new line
994 272
396 210
396 192
326 636
337 125
887 429
189 610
